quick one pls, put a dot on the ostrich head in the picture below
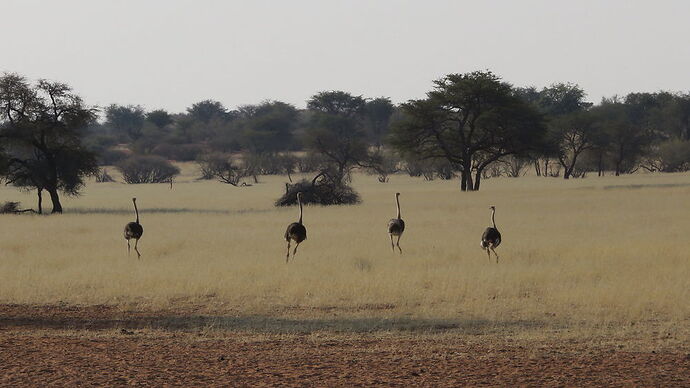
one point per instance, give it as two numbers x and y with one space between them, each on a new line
134 199
492 207
397 194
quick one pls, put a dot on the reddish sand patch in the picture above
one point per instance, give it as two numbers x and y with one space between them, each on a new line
59 356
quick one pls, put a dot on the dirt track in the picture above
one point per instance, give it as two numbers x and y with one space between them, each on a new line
61 356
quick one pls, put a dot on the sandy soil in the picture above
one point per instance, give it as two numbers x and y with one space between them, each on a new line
96 346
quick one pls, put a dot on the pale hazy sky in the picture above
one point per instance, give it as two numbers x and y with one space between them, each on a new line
170 54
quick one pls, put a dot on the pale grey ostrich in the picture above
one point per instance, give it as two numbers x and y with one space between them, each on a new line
396 226
491 237
295 231
134 230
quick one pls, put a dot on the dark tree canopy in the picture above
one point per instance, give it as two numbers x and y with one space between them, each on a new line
335 131
621 135
160 118
571 135
207 110
471 120
571 130
337 103
125 120
377 113
562 98
665 113
268 127
41 128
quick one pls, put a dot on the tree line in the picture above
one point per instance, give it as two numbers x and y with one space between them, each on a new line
473 125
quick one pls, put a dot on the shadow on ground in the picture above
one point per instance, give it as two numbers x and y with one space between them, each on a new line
262 324
641 186
163 211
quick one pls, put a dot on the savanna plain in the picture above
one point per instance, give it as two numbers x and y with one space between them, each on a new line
592 286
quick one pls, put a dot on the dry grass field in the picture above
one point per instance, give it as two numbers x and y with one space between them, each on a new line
591 260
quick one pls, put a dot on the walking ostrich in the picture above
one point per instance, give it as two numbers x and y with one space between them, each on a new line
396 226
295 231
134 230
491 237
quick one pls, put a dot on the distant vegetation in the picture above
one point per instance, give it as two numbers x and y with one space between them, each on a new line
147 169
472 126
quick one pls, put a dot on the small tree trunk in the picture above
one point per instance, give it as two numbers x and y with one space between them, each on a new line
466 175
569 170
477 179
601 164
470 184
39 192
55 198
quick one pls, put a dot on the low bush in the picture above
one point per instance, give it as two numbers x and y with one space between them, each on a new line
147 169
321 192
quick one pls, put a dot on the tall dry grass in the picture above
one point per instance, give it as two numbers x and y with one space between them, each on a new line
598 251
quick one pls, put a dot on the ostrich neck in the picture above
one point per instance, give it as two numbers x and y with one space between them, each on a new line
300 210
136 211
493 221
397 203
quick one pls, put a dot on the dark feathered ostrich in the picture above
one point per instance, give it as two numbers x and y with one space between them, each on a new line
134 230
491 237
295 231
396 226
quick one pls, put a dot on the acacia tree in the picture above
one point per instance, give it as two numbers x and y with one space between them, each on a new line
678 111
160 118
570 129
335 132
268 127
377 113
126 120
207 110
226 170
205 121
625 137
337 103
27 176
572 135
41 129
471 120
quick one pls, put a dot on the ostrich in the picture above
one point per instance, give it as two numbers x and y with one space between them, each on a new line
491 237
396 226
134 230
295 231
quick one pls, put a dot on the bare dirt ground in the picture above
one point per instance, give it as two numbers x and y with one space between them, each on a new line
99 345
